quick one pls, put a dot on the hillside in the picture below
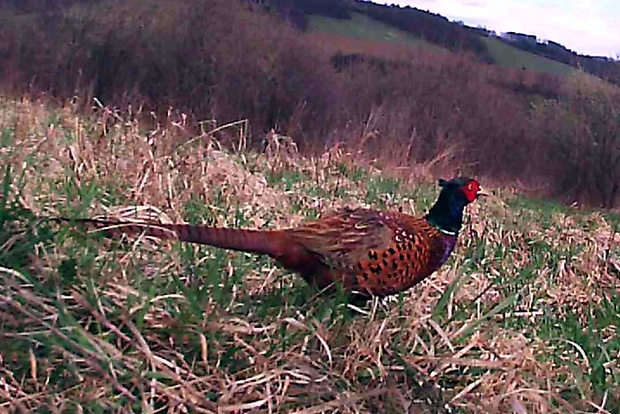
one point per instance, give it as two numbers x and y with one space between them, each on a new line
513 50
357 18
217 62
361 27
523 318
507 56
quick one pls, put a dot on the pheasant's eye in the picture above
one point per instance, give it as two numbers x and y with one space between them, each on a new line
470 187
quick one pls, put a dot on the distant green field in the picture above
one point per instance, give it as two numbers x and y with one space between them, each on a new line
510 57
362 27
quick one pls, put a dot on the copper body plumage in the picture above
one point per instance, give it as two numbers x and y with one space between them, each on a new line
364 251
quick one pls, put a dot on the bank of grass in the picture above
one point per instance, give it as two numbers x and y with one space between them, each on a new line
363 30
362 27
523 318
507 56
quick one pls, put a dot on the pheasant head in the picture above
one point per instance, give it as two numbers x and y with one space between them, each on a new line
447 212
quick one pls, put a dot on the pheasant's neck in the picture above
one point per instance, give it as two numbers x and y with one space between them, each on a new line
447 213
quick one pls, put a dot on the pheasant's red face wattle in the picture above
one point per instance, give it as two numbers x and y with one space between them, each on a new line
471 190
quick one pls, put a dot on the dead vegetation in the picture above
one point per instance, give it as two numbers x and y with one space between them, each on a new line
228 60
523 319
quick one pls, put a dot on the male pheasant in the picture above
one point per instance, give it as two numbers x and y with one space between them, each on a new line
367 252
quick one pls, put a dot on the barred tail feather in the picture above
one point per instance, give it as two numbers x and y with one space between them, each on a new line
252 241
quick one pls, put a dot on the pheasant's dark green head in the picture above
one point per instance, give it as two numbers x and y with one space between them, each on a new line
447 212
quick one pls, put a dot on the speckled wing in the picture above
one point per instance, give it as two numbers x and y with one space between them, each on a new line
372 252
408 259
343 239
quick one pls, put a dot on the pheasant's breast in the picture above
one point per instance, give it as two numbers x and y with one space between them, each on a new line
411 255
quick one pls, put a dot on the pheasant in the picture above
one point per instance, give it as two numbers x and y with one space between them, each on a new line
367 252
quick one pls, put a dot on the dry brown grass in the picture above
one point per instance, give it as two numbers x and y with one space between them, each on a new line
226 60
152 327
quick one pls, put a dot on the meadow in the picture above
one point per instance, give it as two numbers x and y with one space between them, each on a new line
508 56
523 318
362 27
217 112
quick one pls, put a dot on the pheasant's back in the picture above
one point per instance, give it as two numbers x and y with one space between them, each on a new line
374 252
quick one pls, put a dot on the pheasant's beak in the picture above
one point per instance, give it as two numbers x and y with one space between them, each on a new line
482 192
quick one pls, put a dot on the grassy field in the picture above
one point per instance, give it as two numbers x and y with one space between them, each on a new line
362 27
523 318
510 57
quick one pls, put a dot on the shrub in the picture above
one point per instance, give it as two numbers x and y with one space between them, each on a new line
581 135
222 61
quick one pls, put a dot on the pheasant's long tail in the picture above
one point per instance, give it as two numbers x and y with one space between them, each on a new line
253 241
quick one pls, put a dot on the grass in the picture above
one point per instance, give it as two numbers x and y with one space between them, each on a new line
510 57
523 318
362 27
